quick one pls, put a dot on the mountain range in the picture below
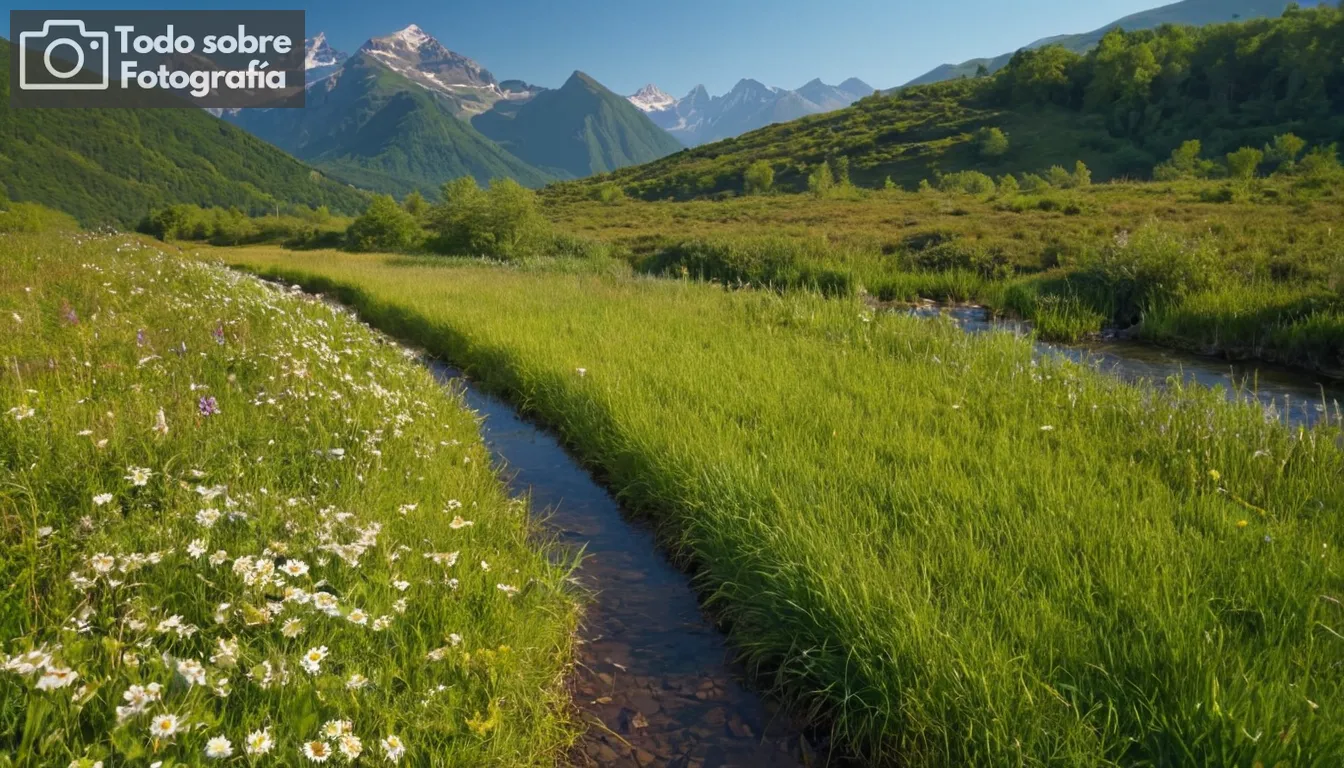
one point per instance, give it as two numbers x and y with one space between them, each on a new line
406 113
699 118
1192 12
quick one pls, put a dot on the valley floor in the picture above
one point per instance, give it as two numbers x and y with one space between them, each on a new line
940 549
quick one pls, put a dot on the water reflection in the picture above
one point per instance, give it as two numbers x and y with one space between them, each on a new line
1297 398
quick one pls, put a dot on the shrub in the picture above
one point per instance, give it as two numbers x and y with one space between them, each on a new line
1150 268
1008 184
779 263
1034 185
415 205
610 193
1082 175
759 178
502 221
992 142
820 182
1243 163
967 182
385 226
1284 151
1059 177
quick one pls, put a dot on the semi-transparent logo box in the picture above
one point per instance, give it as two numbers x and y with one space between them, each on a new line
210 59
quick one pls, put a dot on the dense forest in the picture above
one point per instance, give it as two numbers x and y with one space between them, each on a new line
1121 108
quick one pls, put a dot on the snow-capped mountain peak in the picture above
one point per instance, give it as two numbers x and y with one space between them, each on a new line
320 53
652 99
411 52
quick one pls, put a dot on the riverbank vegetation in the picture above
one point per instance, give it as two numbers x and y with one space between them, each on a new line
941 550
237 526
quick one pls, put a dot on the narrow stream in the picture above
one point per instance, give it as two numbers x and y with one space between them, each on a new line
1297 398
655 680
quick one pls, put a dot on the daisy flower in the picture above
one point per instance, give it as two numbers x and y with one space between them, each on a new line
334 729
259 742
101 499
164 726
317 751
295 568
218 748
292 628
312 660
56 677
351 746
357 616
394 748
139 476
458 523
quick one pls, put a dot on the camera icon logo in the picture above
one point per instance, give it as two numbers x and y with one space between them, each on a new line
69 39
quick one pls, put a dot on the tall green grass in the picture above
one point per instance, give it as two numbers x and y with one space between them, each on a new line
192 464
944 551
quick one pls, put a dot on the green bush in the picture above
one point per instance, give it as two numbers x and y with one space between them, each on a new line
385 226
778 263
966 182
1243 163
992 142
1147 269
759 178
503 221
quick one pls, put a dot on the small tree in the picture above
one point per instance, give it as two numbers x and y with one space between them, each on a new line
415 205
993 142
1284 151
1058 177
890 185
1082 175
840 168
1034 184
759 178
1008 184
981 70
1184 163
515 223
610 193
383 226
820 182
458 222
1243 163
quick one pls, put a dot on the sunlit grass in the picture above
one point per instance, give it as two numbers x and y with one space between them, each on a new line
218 506
942 550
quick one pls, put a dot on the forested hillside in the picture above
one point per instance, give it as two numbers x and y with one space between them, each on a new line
115 165
1121 108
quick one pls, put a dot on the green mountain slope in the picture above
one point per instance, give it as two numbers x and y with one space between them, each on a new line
376 129
1120 108
1193 12
577 130
111 166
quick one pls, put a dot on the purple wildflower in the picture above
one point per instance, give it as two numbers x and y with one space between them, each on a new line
140 338
68 312
218 333
207 406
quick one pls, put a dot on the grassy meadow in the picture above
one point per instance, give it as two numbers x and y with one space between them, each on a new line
943 551
238 528
1260 276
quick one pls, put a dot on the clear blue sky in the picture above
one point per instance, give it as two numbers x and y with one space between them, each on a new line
678 44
